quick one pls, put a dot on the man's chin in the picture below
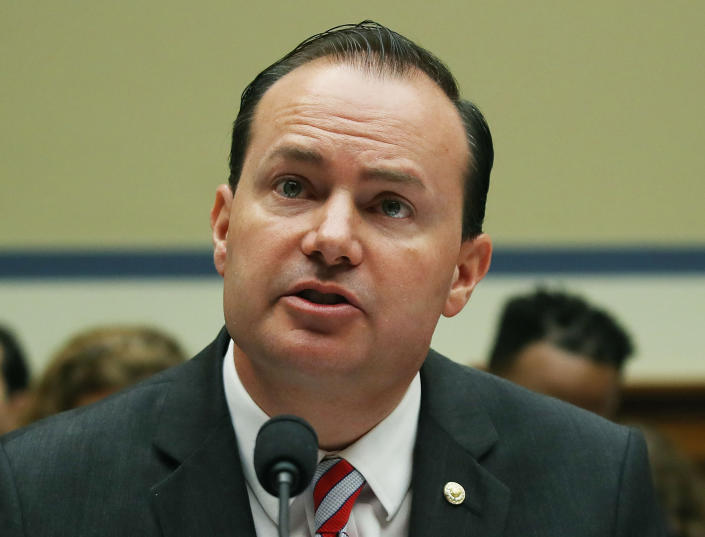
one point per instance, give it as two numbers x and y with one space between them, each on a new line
317 354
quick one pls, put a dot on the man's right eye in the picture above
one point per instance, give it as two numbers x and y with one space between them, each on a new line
289 188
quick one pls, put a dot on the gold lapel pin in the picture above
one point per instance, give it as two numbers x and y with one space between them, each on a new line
454 493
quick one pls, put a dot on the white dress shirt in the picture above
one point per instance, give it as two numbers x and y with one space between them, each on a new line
383 456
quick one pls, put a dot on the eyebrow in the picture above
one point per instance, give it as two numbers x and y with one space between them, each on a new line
311 156
300 154
394 176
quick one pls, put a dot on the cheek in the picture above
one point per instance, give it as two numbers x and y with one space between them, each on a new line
254 243
418 280
433 269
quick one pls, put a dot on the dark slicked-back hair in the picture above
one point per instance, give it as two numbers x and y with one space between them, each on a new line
564 320
376 48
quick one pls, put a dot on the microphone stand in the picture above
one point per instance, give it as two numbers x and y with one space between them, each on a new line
285 479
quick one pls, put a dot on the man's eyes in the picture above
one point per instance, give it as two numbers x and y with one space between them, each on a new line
289 188
394 208
390 207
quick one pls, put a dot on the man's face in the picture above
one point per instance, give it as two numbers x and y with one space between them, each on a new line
545 368
342 244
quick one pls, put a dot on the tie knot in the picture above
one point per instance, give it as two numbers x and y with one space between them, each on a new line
337 486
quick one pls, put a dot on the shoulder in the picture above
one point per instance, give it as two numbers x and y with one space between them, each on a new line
119 424
94 430
76 468
546 429
91 456
546 452
124 415
447 382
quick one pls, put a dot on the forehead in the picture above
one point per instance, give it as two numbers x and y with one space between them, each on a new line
545 360
545 368
406 110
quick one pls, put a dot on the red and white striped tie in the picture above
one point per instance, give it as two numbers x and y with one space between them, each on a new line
337 486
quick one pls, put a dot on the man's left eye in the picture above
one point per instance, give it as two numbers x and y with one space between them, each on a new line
395 208
290 188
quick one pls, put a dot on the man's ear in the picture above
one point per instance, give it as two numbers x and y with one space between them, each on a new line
220 219
473 263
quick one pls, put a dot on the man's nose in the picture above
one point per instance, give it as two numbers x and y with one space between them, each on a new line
333 236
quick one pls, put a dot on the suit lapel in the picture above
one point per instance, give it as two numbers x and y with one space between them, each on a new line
453 436
205 492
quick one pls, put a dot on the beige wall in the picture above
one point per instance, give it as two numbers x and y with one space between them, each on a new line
116 115
116 119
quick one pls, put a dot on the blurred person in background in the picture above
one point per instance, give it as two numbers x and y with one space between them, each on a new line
13 381
98 362
558 344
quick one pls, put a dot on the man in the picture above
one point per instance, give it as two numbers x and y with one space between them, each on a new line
351 223
558 344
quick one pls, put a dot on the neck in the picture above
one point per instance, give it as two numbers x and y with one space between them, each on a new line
341 410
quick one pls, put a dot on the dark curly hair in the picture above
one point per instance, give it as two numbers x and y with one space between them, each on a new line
564 320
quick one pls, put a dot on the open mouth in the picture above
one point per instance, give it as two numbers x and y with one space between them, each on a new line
327 299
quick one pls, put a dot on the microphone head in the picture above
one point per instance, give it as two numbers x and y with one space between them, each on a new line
288 443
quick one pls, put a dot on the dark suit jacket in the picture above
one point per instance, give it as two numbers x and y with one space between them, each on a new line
161 459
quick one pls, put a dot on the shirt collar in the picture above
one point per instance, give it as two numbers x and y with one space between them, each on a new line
384 455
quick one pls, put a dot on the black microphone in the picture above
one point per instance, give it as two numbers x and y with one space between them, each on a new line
286 452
